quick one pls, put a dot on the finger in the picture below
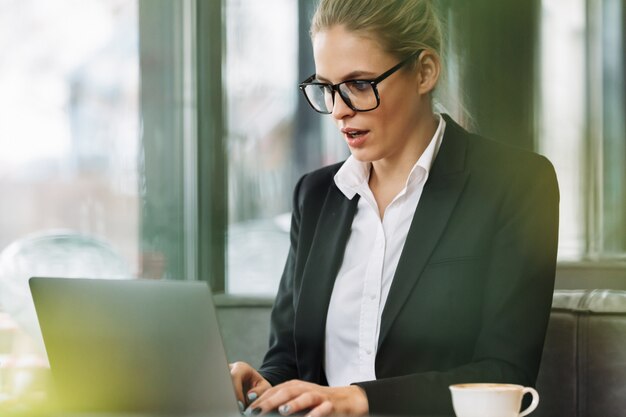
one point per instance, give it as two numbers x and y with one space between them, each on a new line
303 402
251 396
279 395
244 378
260 387
322 410
236 376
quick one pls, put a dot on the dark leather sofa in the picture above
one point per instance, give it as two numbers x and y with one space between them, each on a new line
583 369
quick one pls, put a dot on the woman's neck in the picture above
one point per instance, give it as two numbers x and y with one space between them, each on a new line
388 175
396 168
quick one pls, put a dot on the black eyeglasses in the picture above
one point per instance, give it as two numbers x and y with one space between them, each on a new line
359 95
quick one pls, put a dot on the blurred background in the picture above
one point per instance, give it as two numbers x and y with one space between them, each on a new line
162 138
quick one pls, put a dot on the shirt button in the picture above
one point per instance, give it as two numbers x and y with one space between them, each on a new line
373 297
369 352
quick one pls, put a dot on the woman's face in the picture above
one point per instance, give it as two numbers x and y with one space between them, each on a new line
390 130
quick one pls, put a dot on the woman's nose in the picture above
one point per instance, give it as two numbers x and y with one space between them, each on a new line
340 108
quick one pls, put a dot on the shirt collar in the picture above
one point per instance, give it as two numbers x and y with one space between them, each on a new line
354 174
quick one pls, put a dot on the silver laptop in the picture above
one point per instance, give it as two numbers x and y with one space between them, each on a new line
134 346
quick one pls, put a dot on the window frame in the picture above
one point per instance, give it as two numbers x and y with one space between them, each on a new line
184 194
212 180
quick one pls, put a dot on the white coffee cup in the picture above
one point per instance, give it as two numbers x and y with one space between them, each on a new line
491 400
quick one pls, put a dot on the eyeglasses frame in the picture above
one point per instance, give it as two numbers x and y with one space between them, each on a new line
374 83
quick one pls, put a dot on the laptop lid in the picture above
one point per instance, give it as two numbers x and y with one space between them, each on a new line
134 346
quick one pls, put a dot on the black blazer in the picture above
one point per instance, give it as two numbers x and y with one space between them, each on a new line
471 295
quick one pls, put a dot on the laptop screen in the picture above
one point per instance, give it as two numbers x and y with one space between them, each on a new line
134 345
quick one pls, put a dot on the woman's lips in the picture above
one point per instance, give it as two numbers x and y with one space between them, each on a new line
355 137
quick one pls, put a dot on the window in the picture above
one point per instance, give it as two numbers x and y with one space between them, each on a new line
69 146
607 128
69 131
97 154
268 149
582 127
261 104
562 113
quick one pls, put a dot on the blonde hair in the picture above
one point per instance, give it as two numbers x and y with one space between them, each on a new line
402 27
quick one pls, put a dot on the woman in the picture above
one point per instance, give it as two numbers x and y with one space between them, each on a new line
425 259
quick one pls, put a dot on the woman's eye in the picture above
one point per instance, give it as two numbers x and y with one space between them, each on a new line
362 86
358 86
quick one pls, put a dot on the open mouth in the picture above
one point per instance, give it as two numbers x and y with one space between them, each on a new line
356 133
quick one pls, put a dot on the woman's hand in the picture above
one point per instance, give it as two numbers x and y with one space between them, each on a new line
248 383
317 401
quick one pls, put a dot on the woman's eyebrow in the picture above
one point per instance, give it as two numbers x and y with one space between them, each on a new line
350 76
322 79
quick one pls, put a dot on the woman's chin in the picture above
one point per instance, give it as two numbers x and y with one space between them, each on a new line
363 155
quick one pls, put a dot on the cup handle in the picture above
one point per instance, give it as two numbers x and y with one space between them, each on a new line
533 404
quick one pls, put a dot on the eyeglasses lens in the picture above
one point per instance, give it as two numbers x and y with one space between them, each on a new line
360 93
357 94
320 97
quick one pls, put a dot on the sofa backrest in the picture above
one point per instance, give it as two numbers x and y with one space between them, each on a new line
583 368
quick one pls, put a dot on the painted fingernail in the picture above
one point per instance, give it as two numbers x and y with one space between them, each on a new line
284 409
257 411
252 396
241 406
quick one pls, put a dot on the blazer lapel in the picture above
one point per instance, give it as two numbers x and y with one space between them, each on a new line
444 186
320 271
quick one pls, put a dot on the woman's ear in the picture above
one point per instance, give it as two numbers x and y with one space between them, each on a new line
428 71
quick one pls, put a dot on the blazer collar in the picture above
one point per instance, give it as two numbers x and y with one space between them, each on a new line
318 279
451 157
442 189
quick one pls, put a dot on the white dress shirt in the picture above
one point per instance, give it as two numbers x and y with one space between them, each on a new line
369 264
